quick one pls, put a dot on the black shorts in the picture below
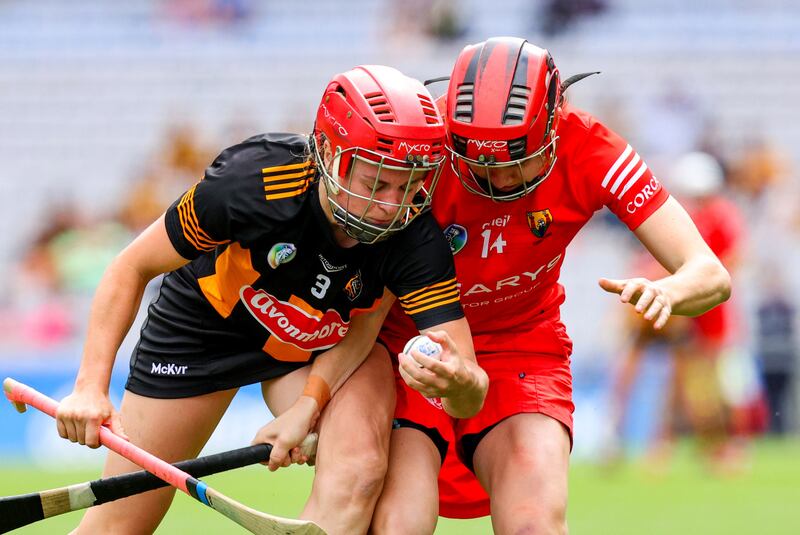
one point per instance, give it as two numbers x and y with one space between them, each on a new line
187 349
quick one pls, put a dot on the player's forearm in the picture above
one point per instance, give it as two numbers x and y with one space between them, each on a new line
114 308
698 286
467 400
337 364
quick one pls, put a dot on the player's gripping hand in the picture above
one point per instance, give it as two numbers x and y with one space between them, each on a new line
646 296
286 433
80 415
440 376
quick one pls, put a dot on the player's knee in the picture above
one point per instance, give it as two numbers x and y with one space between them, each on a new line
359 477
543 519
367 474
391 520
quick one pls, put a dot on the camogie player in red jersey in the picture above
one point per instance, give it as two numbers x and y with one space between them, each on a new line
528 171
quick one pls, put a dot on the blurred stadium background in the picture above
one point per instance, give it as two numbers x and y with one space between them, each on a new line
109 110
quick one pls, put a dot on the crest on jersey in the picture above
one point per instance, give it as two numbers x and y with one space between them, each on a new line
354 286
281 253
456 236
539 221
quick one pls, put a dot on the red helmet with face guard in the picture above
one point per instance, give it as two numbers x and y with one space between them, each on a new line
501 112
375 115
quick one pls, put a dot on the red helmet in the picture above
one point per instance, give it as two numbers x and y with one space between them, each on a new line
502 111
377 115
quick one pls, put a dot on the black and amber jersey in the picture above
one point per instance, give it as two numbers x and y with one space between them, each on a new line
266 271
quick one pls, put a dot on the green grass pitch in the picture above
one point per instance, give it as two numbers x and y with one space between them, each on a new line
626 500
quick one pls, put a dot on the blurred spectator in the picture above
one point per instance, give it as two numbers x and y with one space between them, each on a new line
417 24
776 345
81 254
713 408
184 155
36 314
762 167
179 165
447 21
674 122
194 13
559 15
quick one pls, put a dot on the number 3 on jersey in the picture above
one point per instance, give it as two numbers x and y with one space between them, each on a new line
321 286
497 245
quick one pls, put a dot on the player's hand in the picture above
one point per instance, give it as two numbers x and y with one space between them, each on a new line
437 377
80 415
646 296
286 433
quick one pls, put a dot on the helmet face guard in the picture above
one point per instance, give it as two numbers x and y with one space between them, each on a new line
476 174
351 198
502 112
386 142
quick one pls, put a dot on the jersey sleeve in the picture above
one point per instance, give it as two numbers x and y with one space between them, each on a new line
419 270
233 201
617 177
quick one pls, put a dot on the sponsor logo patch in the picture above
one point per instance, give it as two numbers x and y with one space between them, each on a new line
281 253
456 236
292 325
159 368
330 268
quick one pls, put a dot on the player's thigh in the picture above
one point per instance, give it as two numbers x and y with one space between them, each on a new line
523 462
281 393
409 502
171 429
357 422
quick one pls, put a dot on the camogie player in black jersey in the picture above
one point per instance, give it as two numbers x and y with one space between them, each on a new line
281 264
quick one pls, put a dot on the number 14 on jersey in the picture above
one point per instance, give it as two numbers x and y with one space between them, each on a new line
488 245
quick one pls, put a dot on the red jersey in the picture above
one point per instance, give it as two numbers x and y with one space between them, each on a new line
509 255
508 258
721 225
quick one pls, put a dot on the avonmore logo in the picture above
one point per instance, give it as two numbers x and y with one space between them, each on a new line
491 146
167 369
293 325
644 195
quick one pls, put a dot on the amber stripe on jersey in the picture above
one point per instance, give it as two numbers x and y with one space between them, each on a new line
439 294
191 226
285 181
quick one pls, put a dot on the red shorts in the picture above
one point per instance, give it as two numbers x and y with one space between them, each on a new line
534 383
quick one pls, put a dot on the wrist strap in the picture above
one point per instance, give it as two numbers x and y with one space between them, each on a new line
317 388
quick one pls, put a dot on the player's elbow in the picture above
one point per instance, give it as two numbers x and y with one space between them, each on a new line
724 284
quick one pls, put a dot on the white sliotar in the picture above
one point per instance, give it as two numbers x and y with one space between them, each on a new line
424 345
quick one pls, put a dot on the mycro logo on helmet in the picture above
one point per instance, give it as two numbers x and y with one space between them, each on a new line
418 147
491 146
342 131
649 189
